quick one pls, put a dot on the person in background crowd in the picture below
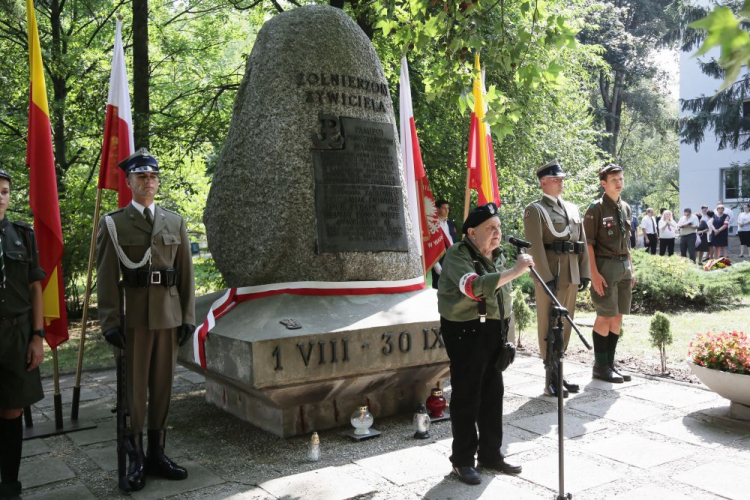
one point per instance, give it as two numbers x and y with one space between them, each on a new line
743 231
704 211
21 334
721 232
449 237
687 225
658 217
728 211
650 231
633 231
667 228
703 249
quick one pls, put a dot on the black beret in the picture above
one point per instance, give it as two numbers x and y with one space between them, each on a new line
550 169
479 215
140 161
5 175
609 169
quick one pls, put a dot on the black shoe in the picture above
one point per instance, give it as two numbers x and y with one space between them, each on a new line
502 466
157 463
10 490
468 475
571 387
604 372
550 384
625 376
551 390
136 477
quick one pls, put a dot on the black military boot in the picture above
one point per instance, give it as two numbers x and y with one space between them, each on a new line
550 384
136 474
157 463
11 447
604 372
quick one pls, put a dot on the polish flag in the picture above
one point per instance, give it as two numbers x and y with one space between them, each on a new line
118 126
424 216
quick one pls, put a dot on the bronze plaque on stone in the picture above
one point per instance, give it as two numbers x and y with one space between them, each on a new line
358 193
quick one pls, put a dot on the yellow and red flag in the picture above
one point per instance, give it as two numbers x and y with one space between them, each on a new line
481 164
422 207
43 192
118 127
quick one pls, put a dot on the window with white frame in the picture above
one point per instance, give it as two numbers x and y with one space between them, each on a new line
736 183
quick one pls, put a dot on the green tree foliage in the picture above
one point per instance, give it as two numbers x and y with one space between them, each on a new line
661 336
522 314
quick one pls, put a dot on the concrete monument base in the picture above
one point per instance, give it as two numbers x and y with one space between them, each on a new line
381 350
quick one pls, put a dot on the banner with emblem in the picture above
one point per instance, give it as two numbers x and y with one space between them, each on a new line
43 198
482 174
118 141
424 214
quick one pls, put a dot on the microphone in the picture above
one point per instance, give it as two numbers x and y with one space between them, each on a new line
519 243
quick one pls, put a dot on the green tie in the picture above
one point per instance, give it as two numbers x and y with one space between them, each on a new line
2 265
148 216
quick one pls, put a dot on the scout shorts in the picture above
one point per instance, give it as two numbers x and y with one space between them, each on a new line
618 292
18 387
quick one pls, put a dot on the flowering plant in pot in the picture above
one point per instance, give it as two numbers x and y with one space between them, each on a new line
722 362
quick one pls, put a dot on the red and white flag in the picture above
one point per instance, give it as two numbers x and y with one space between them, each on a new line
118 126
424 214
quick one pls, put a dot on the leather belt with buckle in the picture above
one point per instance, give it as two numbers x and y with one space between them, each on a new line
10 322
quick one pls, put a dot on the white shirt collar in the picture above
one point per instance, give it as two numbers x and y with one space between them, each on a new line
141 208
553 198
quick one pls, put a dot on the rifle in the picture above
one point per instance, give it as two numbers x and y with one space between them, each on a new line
124 446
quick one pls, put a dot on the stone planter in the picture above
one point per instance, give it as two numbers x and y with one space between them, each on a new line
733 386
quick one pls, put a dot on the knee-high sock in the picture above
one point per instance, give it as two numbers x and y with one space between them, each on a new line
612 347
600 348
11 442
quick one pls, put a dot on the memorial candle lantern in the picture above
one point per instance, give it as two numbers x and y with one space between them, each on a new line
436 403
421 423
313 450
362 420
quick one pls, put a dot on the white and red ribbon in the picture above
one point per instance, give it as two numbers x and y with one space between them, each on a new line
234 296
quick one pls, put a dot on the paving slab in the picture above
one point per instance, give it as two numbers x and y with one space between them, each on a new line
568 369
54 470
672 395
652 492
93 411
544 471
492 488
91 436
515 441
66 382
638 451
698 432
192 377
106 456
33 447
622 409
246 493
198 477
66 397
536 391
330 483
601 385
408 465
546 425
727 479
511 378
74 492
103 377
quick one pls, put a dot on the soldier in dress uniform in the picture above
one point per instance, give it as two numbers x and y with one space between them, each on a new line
554 228
607 226
21 334
149 246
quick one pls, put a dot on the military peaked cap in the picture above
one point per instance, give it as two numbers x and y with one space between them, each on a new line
609 169
479 215
140 161
550 169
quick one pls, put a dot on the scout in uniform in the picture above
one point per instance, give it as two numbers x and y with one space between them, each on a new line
474 301
150 247
558 245
607 226
21 333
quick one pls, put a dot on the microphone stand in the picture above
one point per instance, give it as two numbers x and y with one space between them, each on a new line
555 346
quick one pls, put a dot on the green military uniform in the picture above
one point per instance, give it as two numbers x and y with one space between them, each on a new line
473 346
607 228
547 225
20 267
153 312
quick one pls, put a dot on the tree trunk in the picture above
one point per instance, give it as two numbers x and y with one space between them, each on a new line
59 93
611 93
141 105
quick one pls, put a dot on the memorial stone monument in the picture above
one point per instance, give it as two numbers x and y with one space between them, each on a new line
309 193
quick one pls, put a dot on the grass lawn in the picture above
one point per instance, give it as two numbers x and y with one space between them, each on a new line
97 352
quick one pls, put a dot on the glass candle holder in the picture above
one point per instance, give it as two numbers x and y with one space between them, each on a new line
422 423
362 420
313 449
436 403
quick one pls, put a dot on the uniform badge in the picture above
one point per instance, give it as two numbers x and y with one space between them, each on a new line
526 215
608 222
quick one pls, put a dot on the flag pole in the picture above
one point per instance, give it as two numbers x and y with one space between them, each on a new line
467 194
58 397
86 297
419 204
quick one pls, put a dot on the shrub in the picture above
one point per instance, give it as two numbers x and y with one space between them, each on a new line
725 351
208 279
521 312
661 336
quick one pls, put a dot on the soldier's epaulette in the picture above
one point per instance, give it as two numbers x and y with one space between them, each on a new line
592 205
171 211
23 225
115 211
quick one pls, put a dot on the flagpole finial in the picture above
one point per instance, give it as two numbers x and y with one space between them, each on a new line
120 17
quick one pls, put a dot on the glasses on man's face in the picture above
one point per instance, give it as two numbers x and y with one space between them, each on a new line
494 229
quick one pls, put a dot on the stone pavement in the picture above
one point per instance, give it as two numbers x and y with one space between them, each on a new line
647 439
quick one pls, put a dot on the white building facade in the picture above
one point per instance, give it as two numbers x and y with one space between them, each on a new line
707 175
